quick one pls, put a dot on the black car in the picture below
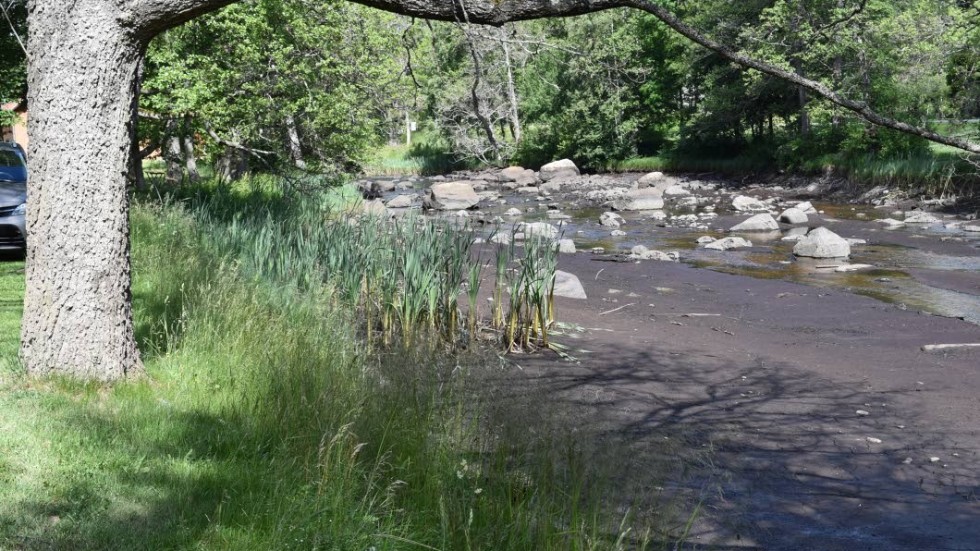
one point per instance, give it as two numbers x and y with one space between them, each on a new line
13 197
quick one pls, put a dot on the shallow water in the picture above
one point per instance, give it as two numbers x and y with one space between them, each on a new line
892 252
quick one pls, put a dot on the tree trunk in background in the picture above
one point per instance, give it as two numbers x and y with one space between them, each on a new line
82 82
295 146
513 113
190 161
172 153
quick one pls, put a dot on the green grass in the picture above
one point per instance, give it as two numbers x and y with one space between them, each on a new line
427 155
264 422
940 169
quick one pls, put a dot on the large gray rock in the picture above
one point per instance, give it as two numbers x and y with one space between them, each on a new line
728 244
793 216
640 252
511 173
743 203
568 285
451 196
564 168
650 180
566 246
676 191
641 199
541 230
822 243
921 218
759 222
611 220
401 202
521 176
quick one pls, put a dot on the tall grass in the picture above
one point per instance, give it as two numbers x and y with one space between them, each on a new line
266 422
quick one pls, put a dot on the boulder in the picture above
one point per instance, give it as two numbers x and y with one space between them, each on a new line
566 246
377 188
822 243
611 220
921 218
971 228
649 180
793 216
728 244
676 191
640 199
759 222
374 208
806 207
451 196
640 252
401 202
512 173
541 230
568 285
558 169
743 203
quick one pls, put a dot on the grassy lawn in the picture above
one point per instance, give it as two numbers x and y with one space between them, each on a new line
264 423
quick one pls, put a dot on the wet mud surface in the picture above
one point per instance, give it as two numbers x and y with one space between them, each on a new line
800 409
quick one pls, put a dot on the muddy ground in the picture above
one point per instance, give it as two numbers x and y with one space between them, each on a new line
808 418
791 406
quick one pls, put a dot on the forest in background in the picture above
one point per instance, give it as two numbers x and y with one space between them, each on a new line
330 86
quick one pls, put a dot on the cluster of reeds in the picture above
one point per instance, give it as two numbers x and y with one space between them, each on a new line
405 276
528 277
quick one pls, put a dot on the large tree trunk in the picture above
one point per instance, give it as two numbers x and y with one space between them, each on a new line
82 82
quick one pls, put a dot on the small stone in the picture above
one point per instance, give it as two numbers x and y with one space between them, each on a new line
617 233
566 246
704 240
852 268
513 212
873 440
862 412
934 459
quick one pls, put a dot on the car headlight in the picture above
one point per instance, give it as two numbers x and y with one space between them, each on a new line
20 210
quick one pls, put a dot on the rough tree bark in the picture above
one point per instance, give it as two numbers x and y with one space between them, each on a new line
83 65
82 80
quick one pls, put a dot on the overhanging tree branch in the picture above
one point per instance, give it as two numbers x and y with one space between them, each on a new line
860 108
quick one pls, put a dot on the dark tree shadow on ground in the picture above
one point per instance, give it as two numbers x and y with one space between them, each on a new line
777 457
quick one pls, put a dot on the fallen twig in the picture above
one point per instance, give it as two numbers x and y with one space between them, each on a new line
617 309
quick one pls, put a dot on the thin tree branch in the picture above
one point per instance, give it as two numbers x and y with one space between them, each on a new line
13 29
861 108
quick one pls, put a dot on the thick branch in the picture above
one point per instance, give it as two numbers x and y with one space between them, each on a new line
491 12
151 17
860 108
